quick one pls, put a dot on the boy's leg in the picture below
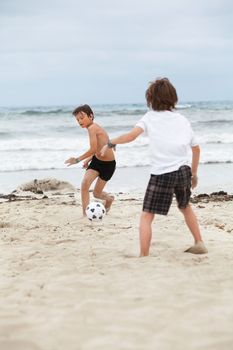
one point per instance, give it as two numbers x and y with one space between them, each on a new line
183 192
89 177
145 231
98 193
192 223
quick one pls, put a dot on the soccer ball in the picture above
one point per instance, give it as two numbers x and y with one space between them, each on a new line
95 211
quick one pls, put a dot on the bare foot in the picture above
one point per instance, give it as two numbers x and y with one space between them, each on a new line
197 248
109 203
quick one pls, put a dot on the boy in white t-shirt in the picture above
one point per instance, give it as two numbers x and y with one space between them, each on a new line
170 139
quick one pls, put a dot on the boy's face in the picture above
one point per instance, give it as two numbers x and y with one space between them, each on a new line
83 119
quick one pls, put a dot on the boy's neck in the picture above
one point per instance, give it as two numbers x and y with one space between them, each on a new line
91 122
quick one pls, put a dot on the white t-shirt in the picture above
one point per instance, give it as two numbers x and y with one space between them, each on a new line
170 140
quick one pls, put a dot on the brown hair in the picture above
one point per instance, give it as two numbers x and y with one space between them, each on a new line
84 108
161 95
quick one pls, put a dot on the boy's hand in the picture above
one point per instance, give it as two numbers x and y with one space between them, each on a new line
86 163
194 181
104 150
71 161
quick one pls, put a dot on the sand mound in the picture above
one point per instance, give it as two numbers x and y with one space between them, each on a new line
45 185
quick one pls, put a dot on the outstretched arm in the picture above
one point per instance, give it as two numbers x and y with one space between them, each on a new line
195 163
90 152
129 137
125 138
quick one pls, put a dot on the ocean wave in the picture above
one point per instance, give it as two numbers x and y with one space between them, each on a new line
106 111
123 112
136 156
218 142
19 150
218 162
183 106
215 138
55 148
118 128
212 106
79 143
49 167
30 141
5 135
41 112
215 122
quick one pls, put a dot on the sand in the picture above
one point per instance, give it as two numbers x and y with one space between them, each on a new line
69 284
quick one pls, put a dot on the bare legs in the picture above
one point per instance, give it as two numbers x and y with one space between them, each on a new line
98 193
88 179
192 223
145 231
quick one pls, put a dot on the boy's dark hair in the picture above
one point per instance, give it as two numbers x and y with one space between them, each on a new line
161 95
84 108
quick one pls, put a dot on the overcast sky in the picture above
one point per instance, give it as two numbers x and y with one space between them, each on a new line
56 52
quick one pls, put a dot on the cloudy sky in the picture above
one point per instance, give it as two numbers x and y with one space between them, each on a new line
101 51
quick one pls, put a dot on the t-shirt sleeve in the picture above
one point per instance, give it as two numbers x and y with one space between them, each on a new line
193 140
142 123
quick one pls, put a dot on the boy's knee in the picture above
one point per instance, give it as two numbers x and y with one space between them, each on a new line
184 210
85 185
147 216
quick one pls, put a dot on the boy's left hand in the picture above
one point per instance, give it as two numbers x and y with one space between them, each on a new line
86 163
194 181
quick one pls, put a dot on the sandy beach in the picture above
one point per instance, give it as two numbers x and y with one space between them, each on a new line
69 283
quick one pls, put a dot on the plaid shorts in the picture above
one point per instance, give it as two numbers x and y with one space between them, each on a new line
161 188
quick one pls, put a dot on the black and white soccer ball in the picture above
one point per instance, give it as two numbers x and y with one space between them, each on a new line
95 211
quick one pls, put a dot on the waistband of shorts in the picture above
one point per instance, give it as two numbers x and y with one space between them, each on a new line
173 172
104 161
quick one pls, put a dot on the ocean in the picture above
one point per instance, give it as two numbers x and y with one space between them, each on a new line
42 138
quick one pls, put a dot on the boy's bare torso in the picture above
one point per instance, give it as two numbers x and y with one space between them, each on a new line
99 135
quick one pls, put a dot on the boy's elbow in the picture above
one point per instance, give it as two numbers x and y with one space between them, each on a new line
132 137
92 150
196 149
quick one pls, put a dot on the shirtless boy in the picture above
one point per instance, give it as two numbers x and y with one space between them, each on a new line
98 167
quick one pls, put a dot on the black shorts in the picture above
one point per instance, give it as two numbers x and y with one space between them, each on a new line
105 168
160 190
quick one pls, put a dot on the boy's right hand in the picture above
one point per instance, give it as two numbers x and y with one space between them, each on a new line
103 150
71 161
